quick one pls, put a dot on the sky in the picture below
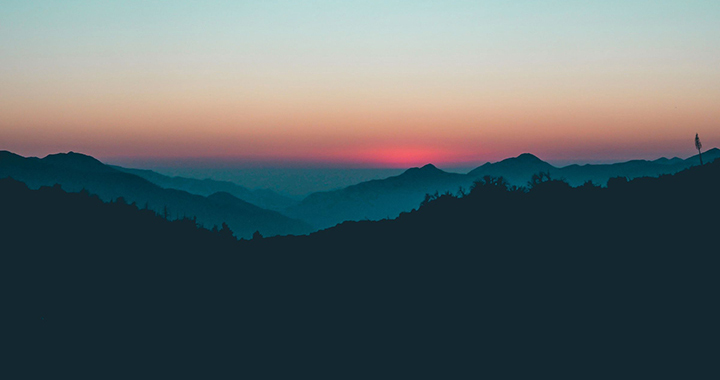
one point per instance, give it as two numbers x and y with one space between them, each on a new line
359 83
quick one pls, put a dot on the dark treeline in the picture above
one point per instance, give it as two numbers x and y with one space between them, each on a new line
502 281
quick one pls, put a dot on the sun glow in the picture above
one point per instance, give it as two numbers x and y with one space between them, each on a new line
400 157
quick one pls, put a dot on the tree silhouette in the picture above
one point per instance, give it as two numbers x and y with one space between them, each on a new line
225 231
698 146
539 178
489 184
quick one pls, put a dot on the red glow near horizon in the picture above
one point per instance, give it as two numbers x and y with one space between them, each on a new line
398 157
389 157
395 156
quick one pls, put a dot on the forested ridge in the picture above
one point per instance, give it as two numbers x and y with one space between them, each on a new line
546 280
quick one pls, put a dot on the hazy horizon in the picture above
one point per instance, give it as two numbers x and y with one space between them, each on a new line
300 179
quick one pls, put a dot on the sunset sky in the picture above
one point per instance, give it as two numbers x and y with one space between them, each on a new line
375 83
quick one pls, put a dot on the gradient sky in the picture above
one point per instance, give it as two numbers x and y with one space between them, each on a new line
376 83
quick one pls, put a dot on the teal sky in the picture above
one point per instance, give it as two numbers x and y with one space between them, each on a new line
382 82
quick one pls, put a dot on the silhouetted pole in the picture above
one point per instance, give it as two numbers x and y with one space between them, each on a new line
698 145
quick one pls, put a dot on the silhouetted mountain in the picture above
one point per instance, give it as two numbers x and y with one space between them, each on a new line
376 199
76 161
423 173
671 161
387 198
577 174
708 156
76 172
553 277
517 170
262 198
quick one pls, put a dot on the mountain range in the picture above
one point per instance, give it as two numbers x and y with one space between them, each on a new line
377 199
245 211
76 172
387 198
627 271
264 198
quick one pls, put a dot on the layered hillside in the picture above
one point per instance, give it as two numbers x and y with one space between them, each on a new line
75 172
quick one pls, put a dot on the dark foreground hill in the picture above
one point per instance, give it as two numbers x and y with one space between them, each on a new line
76 172
555 281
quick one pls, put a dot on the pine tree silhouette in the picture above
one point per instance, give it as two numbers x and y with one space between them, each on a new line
698 146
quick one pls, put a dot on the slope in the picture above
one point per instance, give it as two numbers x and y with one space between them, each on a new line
264 198
376 199
75 172
561 279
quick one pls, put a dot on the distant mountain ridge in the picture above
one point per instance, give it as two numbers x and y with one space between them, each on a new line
517 170
75 172
216 201
575 175
72 160
387 198
264 198
377 199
